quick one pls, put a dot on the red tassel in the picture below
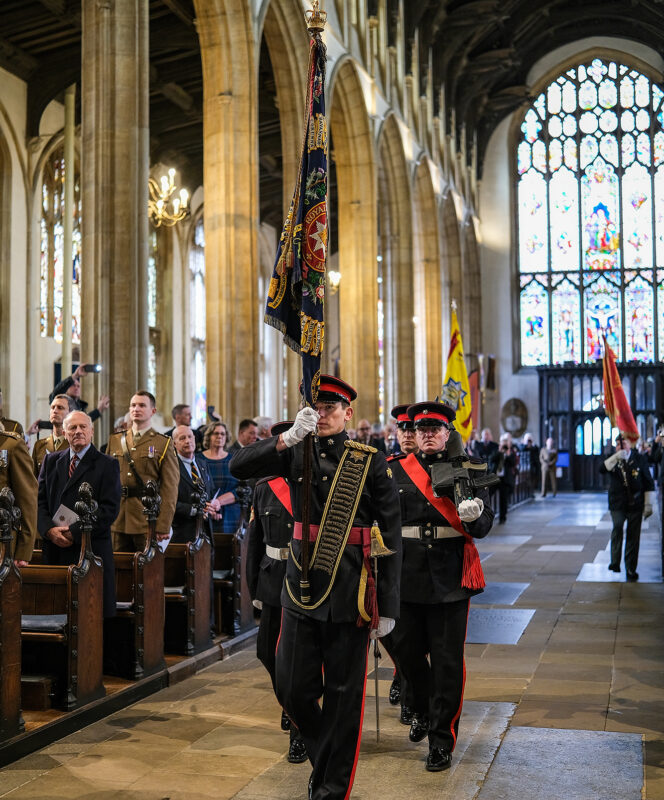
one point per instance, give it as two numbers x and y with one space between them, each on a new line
472 576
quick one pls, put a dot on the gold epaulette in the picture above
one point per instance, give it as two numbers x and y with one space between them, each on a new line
365 448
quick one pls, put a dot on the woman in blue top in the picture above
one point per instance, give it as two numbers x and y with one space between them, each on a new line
217 460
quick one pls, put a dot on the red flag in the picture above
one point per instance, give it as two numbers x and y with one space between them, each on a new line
615 403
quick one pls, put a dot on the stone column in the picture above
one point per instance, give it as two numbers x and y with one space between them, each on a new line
114 174
230 155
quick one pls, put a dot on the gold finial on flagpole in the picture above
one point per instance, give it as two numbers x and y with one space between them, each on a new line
315 18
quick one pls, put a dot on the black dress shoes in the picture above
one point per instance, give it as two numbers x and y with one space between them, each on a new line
614 567
438 759
406 716
395 691
419 727
297 752
285 721
632 576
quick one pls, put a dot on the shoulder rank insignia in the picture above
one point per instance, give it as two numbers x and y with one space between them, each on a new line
389 473
365 448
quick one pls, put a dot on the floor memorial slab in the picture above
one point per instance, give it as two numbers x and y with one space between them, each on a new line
497 625
393 768
553 764
499 594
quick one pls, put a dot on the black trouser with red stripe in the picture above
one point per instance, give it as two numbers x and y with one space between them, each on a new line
327 659
437 690
266 646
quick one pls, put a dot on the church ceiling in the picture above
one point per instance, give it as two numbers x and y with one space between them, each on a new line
482 50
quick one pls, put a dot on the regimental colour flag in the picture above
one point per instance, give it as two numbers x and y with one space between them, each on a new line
456 389
615 403
296 296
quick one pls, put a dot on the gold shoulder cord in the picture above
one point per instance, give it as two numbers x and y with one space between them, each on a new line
338 516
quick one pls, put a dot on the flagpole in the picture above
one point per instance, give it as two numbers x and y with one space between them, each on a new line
315 19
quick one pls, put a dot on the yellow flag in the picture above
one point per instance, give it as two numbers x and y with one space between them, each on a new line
456 389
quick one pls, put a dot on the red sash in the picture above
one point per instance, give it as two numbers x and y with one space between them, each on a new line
472 576
282 492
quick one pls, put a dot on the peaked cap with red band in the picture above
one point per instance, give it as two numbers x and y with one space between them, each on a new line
429 414
280 427
332 390
400 414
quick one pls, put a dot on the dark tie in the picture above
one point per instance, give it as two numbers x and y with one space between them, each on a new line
195 474
72 465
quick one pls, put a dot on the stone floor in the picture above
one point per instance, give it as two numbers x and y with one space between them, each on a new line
572 708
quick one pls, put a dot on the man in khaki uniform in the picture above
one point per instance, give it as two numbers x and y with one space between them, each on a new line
16 473
56 441
144 455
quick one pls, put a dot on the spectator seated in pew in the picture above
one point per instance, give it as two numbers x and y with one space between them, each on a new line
62 620
60 478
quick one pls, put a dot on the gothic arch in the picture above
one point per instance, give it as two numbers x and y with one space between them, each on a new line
356 180
286 37
428 285
396 238
229 59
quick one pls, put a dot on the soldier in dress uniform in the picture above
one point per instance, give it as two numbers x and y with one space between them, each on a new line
269 534
631 499
406 443
322 649
440 572
56 441
16 473
144 455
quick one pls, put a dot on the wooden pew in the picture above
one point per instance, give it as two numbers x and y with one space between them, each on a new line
222 575
187 577
62 621
134 639
11 722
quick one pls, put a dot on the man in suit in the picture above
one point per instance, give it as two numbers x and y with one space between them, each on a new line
486 447
57 440
16 473
59 480
194 477
143 455
247 433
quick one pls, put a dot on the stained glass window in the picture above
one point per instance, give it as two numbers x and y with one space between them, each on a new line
52 262
590 217
198 386
154 342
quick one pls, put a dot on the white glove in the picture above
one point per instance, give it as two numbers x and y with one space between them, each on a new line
612 460
649 502
385 626
257 604
623 454
470 510
305 422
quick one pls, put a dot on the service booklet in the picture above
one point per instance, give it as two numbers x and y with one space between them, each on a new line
64 517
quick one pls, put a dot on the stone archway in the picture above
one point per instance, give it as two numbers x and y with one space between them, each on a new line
358 293
428 284
396 238
229 59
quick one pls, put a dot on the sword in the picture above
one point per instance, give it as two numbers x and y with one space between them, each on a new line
378 550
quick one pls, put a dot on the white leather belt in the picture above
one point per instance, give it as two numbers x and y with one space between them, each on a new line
277 553
429 532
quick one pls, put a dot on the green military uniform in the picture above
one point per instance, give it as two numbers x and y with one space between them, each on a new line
16 473
51 444
12 426
154 460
